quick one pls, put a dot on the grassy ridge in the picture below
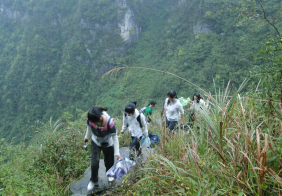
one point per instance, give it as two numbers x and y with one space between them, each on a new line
234 149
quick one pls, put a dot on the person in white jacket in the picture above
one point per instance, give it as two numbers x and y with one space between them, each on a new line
137 126
103 133
173 111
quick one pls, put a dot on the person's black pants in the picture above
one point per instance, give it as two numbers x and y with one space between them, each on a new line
171 124
95 159
134 148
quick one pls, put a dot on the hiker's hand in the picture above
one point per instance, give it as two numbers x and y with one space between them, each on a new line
121 132
118 157
85 140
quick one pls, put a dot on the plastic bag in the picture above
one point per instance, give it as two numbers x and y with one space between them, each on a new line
184 101
120 168
145 142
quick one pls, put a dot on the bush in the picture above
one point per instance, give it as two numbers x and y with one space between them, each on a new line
49 165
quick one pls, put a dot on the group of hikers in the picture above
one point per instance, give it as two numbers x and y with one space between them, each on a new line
102 132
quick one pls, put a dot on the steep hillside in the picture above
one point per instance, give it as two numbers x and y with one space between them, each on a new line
53 54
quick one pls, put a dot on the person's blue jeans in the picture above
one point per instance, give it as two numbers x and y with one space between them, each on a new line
134 148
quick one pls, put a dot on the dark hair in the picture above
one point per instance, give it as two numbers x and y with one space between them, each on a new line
130 108
198 97
171 94
134 102
95 113
152 103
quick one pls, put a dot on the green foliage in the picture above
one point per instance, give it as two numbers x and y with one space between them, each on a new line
261 15
269 69
47 166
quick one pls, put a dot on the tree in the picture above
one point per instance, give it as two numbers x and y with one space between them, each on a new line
268 66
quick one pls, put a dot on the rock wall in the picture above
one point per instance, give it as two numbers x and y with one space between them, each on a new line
126 26
13 14
201 28
129 30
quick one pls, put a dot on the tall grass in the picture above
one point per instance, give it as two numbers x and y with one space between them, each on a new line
233 149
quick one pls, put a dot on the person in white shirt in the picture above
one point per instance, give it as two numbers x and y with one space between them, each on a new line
195 107
137 126
103 133
173 111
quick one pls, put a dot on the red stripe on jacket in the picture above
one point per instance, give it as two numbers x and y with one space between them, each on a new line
103 128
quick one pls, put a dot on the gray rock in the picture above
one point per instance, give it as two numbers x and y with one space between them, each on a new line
202 28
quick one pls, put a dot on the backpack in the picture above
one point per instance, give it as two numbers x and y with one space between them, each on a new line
142 110
138 119
154 138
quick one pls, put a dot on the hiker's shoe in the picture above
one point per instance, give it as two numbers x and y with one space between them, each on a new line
110 179
92 185
112 184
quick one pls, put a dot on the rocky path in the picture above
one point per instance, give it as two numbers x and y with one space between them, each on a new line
79 188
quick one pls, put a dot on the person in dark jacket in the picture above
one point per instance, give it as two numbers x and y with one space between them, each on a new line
103 133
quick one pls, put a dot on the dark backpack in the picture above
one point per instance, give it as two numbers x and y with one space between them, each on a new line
138 119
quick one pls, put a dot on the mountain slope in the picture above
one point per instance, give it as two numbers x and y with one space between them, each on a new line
53 54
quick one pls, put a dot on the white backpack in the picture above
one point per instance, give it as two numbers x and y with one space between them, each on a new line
142 110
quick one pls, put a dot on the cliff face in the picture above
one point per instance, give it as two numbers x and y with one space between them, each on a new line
124 28
123 24
9 13
129 30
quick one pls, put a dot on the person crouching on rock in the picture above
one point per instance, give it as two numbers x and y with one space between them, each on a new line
136 124
102 131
